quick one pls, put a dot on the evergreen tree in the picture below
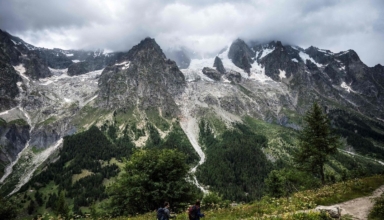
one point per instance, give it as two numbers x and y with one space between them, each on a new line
316 142
31 207
275 184
8 209
61 207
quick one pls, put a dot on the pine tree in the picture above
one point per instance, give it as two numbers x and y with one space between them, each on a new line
61 206
8 209
316 142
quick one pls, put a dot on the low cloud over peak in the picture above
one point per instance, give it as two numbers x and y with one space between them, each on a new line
203 26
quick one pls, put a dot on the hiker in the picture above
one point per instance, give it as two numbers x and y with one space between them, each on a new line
194 212
164 213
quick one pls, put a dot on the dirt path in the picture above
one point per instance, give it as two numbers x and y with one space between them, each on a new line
359 208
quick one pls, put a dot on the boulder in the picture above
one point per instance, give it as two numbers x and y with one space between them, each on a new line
212 73
334 211
234 76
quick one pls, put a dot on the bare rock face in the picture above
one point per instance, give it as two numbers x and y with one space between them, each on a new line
219 65
144 77
319 56
13 137
9 56
241 55
35 67
8 86
212 73
54 58
278 60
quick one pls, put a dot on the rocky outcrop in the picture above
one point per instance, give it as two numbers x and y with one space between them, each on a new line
219 65
9 56
8 86
233 76
279 60
143 77
35 67
241 55
54 59
333 211
320 56
13 138
45 135
78 69
212 73
8 52
92 61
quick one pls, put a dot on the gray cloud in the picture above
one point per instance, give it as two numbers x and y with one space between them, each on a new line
201 25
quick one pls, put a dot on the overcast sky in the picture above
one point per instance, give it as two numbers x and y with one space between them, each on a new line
202 25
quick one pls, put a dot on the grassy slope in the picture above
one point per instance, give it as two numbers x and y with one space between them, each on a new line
284 208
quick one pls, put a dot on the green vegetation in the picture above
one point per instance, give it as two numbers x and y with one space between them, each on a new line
150 178
48 121
377 212
176 139
36 150
61 207
235 165
250 162
83 151
360 134
284 182
316 143
245 91
88 116
282 141
290 207
218 126
3 122
125 115
154 116
20 122
8 209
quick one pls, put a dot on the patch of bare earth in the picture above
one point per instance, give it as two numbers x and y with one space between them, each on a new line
359 208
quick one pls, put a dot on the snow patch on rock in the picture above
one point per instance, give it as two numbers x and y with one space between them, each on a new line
21 70
266 51
346 87
305 57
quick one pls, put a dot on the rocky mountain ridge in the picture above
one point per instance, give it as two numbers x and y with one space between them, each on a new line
60 92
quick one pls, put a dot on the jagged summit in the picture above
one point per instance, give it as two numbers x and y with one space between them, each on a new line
348 56
146 49
241 55
144 77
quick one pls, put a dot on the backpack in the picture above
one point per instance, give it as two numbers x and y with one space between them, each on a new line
160 214
192 212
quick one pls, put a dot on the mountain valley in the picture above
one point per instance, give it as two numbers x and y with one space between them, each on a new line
69 118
